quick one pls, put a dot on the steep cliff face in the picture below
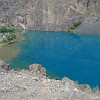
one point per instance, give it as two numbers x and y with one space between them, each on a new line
48 15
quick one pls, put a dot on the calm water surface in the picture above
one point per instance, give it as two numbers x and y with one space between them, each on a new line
62 54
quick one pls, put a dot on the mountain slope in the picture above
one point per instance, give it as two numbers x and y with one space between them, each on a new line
48 15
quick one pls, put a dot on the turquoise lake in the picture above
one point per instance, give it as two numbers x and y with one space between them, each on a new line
76 56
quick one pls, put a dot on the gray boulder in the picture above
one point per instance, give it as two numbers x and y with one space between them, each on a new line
86 88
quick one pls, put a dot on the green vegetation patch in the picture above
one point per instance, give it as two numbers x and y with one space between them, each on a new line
75 25
7 34
4 29
8 38
18 69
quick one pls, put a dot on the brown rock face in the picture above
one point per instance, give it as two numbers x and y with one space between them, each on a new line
47 15
37 70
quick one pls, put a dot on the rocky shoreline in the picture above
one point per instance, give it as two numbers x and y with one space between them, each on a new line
32 84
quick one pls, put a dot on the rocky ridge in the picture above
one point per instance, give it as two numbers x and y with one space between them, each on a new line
32 84
48 15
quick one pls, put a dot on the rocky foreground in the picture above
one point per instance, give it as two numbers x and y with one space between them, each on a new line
32 84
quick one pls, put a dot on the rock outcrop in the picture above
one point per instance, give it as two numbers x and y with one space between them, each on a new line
47 15
4 67
29 85
37 70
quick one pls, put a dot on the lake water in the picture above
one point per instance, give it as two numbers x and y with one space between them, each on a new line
76 56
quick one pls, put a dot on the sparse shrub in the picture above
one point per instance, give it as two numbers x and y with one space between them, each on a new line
75 25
